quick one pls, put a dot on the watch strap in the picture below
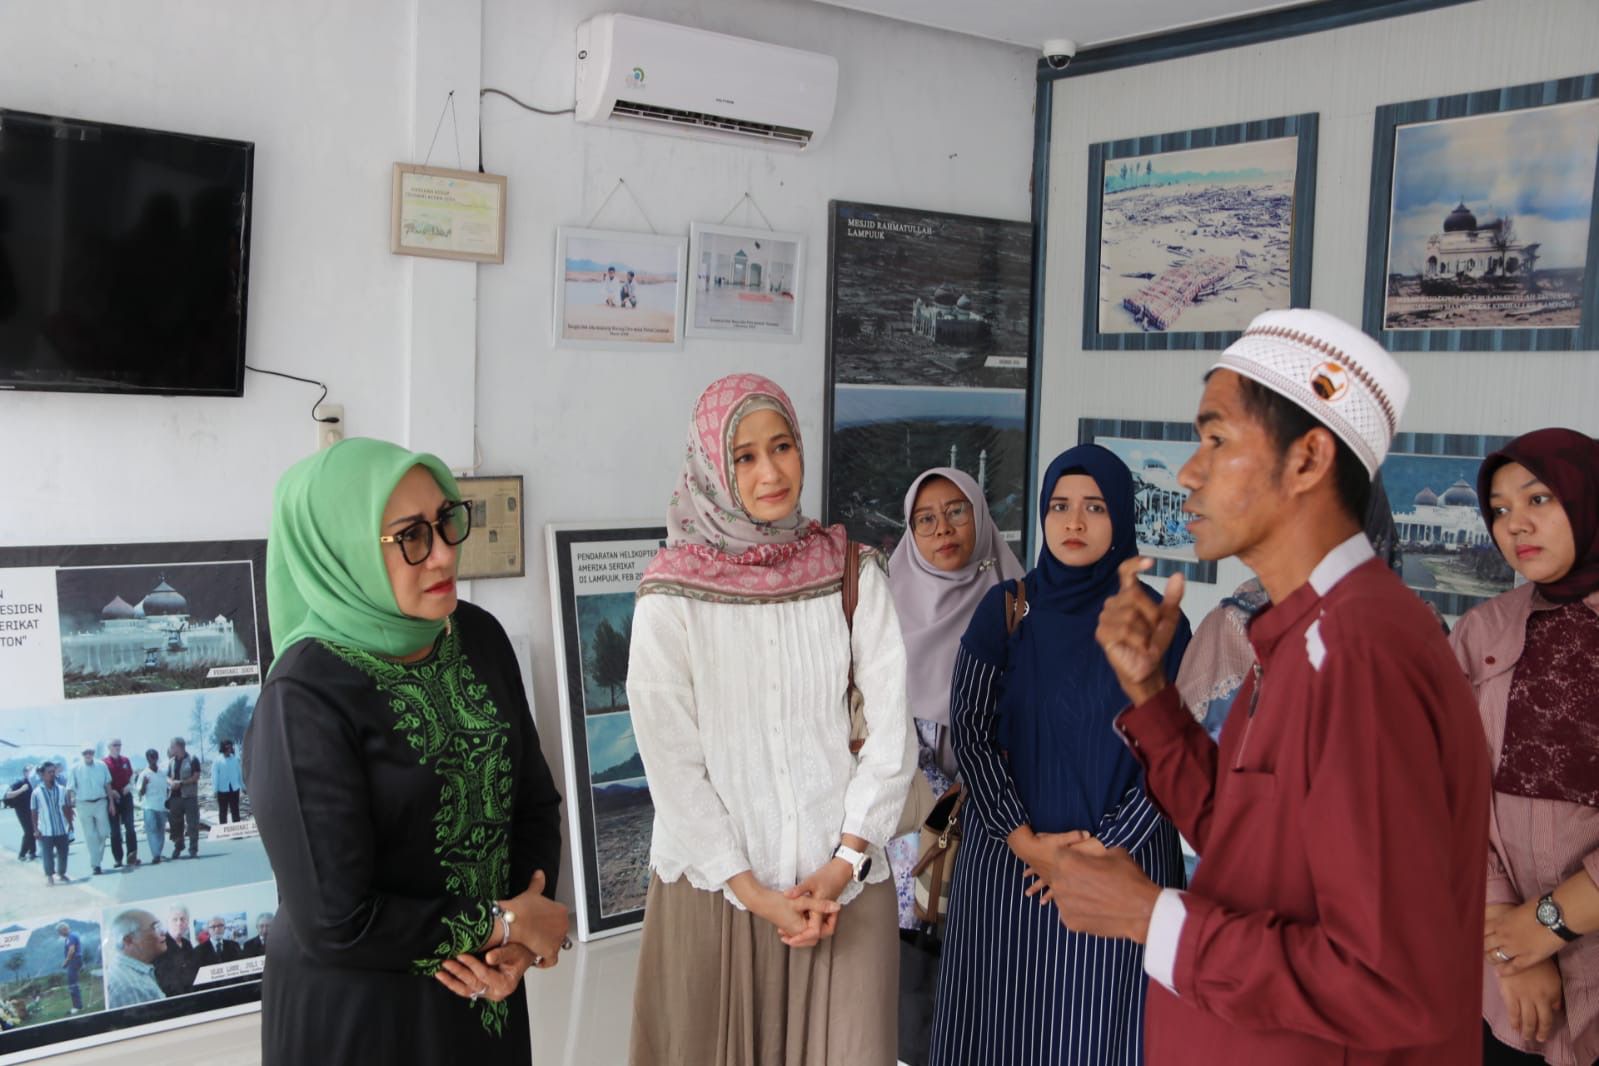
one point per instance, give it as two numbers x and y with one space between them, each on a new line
856 859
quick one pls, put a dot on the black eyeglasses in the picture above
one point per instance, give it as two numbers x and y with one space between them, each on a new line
416 540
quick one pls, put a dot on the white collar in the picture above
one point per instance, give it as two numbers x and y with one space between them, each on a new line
1337 564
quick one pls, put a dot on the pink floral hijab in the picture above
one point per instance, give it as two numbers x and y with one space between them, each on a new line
714 550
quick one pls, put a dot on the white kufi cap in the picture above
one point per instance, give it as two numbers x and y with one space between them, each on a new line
1345 379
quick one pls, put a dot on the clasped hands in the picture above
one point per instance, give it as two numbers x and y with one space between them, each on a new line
1529 982
1095 889
538 935
805 914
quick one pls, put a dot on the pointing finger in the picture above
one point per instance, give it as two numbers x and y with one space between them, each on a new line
1131 568
1172 597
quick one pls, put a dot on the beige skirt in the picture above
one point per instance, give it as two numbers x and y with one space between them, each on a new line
716 987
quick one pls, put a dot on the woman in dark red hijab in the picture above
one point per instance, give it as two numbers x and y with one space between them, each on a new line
1533 658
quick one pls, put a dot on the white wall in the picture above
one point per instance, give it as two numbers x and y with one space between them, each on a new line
1345 75
925 119
333 94
322 91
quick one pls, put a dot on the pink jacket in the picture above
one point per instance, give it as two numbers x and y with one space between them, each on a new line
1533 844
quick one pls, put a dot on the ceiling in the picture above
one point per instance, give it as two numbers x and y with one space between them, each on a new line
1088 22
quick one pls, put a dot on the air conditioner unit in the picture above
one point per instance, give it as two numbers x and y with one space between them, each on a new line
653 76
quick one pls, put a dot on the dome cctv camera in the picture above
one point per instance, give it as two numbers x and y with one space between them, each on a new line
1058 52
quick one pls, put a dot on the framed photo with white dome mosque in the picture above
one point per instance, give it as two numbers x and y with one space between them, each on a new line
112 655
1483 233
1448 555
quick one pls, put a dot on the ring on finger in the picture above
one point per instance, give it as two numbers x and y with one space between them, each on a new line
1499 953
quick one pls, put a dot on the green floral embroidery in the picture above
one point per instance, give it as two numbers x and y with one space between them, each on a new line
447 717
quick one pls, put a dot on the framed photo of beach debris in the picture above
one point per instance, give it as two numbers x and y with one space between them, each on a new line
447 214
928 337
129 644
746 283
595 570
1192 234
618 290
494 547
1484 234
1155 452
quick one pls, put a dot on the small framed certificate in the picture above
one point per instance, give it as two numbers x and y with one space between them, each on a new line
494 548
448 214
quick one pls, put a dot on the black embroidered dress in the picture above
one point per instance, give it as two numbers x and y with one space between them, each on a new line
396 802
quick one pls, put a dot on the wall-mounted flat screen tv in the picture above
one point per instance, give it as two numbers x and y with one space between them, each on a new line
124 258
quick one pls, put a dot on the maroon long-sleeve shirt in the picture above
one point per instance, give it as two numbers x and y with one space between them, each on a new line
1336 915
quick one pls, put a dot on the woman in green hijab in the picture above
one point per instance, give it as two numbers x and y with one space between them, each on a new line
396 780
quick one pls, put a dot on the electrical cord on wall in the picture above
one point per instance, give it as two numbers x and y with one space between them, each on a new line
529 107
293 377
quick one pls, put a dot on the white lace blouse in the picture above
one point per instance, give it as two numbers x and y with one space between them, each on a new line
741 719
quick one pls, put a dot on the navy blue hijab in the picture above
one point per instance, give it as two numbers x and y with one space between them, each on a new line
1059 695
1084 589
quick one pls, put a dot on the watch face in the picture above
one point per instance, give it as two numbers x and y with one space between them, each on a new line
865 868
1548 912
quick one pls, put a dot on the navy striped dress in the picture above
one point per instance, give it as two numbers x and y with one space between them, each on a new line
1031 716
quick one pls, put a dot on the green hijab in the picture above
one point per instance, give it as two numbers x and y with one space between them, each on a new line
325 574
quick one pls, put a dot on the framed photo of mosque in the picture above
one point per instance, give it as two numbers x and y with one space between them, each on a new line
1155 452
595 570
1191 235
929 319
1483 233
744 284
1449 557
110 651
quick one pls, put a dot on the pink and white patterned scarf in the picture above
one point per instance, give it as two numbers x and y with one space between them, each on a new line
714 550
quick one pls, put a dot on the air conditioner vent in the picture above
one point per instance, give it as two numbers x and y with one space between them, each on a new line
698 120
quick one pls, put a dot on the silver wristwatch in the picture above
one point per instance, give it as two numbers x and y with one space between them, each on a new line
859 863
1552 918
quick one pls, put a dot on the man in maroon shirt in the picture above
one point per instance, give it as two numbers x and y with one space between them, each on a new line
1336 913
122 825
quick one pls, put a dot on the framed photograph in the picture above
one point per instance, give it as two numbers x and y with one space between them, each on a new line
746 283
137 643
595 570
1154 452
1192 234
928 333
494 548
618 290
1482 234
447 214
1449 555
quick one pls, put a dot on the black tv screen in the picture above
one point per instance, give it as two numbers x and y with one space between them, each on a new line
124 258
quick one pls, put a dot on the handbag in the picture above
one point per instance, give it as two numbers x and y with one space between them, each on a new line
919 800
941 834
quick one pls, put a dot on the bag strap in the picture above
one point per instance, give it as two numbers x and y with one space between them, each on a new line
1015 607
937 849
852 583
851 594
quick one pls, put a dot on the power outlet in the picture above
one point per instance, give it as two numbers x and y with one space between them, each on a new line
328 433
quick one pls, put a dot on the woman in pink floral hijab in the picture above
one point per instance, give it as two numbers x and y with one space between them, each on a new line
770 927
714 549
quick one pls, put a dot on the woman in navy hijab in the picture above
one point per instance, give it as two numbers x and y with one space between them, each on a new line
1031 712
